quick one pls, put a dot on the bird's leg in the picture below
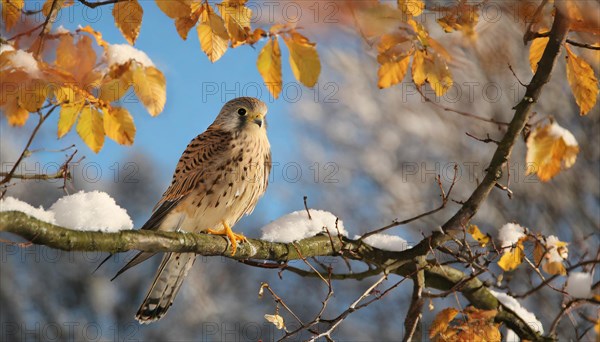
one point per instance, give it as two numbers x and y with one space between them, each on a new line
233 237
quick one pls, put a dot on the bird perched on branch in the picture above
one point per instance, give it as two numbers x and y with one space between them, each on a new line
219 178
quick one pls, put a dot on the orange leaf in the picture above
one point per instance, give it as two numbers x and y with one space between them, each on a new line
269 66
536 50
411 7
441 321
128 18
175 8
11 12
392 73
584 83
15 114
119 126
150 87
212 34
304 59
550 149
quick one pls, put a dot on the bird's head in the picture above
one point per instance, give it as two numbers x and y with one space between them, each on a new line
243 113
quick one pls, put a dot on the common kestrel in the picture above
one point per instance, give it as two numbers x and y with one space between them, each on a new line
219 178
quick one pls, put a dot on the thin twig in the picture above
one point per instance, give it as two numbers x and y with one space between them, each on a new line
583 45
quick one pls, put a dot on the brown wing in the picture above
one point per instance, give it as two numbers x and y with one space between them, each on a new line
203 155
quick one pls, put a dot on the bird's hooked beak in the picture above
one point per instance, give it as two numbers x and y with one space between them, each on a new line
258 119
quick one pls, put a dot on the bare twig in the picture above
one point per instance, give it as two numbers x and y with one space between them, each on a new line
583 45
306 207
487 140
99 3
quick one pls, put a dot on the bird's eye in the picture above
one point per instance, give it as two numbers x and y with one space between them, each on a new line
242 111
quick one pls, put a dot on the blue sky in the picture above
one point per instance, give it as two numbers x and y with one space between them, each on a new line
196 90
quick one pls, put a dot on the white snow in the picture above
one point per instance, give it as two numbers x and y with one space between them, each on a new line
122 53
559 132
555 252
24 60
579 285
527 316
297 226
6 47
386 242
509 234
13 204
61 30
90 211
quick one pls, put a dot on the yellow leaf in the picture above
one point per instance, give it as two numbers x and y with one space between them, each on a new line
91 128
304 59
33 94
175 8
441 321
431 67
392 72
478 235
237 21
11 12
513 257
212 34
150 87
269 66
419 73
96 34
536 50
118 125
67 117
556 252
276 320
378 19
584 83
58 4
550 149
15 114
78 59
185 24
113 89
128 18
411 7
538 253
462 17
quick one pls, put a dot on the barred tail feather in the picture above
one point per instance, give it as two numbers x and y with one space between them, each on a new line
167 282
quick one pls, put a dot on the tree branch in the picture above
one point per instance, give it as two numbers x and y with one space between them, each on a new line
401 263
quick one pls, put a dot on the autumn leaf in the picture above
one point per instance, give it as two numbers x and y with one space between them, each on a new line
15 114
128 18
536 50
96 34
550 149
150 87
90 128
431 67
411 7
269 66
11 12
583 82
379 19
118 125
47 7
462 17
67 117
304 59
513 256
32 95
392 73
212 34
237 20
478 235
441 321
114 89
78 59
185 24
276 320
555 252
175 8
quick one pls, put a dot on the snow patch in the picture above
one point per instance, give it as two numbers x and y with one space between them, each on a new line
13 204
527 316
61 30
386 242
6 47
560 132
88 211
20 59
510 233
91 211
579 284
122 53
297 226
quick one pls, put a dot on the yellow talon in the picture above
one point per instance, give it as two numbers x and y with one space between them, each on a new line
233 237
